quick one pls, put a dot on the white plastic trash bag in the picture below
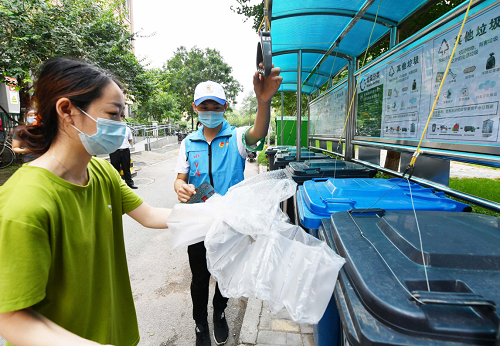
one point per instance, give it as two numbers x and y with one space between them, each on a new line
287 268
252 251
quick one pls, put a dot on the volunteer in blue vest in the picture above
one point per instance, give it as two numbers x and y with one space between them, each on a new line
216 153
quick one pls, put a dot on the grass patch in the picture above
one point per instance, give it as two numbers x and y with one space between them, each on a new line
481 187
6 173
383 175
262 159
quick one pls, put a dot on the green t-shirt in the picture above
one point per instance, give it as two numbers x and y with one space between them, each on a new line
62 251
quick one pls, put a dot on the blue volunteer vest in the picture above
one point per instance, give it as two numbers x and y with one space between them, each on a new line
219 163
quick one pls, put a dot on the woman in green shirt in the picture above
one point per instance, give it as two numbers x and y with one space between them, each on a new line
63 270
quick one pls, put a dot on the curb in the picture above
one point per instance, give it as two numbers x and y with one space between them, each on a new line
249 327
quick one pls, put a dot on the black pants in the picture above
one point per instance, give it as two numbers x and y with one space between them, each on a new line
120 159
199 284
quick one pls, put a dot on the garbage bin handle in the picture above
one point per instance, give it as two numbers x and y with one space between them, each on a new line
379 212
454 298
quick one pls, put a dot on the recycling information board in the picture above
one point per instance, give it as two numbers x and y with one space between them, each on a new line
327 114
395 97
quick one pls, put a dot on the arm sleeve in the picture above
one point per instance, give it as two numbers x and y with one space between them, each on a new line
25 259
257 146
129 134
130 200
182 162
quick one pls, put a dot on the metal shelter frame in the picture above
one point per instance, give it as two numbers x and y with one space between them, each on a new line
307 85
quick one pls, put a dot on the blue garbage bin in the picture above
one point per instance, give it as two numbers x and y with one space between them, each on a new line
320 198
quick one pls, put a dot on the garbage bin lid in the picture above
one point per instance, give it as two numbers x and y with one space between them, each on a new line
463 257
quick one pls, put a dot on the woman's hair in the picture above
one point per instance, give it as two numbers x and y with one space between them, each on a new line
78 81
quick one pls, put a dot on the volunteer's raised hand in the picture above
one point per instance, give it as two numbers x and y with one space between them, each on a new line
266 87
185 192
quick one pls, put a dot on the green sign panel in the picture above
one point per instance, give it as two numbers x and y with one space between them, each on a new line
369 117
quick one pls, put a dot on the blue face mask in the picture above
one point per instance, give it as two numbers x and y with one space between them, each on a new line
109 137
30 120
210 119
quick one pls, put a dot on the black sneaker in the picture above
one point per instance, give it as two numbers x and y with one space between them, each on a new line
202 335
221 330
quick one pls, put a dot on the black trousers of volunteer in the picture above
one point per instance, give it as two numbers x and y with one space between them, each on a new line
120 159
199 284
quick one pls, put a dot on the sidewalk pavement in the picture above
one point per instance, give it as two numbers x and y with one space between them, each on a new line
262 328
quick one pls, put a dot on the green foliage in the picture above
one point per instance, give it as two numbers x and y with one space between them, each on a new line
159 107
262 158
186 69
289 103
235 118
481 187
256 12
249 105
93 30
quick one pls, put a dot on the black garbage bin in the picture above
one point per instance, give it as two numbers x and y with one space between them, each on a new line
272 151
282 159
383 277
328 168
324 168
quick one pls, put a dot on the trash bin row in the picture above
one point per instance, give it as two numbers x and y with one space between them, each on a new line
382 295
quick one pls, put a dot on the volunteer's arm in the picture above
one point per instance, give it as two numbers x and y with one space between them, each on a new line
149 216
17 147
182 188
28 328
265 88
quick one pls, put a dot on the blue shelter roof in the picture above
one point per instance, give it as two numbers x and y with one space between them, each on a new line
313 26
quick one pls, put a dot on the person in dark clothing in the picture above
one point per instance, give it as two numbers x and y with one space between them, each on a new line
120 159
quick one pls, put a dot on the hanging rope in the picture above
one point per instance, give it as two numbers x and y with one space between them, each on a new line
411 165
265 20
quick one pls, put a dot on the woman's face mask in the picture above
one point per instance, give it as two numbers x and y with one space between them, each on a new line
109 137
30 120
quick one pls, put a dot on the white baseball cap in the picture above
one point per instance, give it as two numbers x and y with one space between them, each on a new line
209 91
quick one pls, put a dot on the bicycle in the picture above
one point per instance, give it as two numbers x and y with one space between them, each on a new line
7 156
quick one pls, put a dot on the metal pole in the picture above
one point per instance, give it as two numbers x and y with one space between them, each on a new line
281 117
299 103
394 35
351 122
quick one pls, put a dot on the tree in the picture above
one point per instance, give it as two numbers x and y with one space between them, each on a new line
92 30
249 106
255 12
236 118
186 69
159 107
289 103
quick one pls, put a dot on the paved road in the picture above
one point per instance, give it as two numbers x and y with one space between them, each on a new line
160 276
